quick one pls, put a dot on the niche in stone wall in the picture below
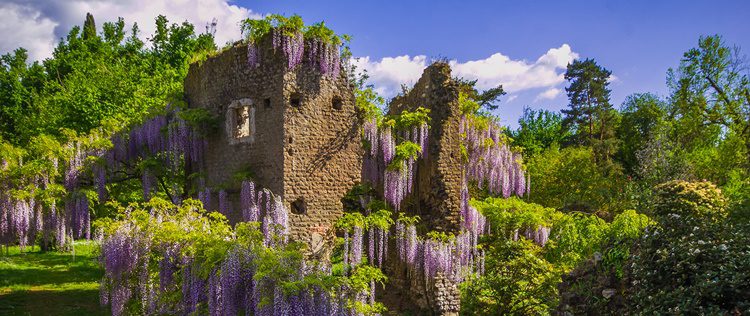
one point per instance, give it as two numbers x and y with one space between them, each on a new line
240 121
337 103
295 100
299 206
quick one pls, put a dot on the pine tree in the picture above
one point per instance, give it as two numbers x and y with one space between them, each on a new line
590 116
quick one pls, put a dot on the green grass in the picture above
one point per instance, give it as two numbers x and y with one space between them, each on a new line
51 283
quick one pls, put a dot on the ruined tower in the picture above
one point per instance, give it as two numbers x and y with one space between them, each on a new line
296 130
437 184
436 196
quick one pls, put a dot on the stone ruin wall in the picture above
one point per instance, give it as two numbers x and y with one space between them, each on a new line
437 186
436 195
312 151
306 142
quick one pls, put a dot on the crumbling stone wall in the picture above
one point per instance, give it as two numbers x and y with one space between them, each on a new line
306 144
436 195
437 190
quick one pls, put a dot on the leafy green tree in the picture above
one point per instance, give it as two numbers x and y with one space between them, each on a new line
570 179
516 282
20 85
712 88
539 130
487 99
590 116
643 115
94 76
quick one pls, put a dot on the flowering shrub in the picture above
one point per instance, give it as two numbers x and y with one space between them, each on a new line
160 258
680 202
696 260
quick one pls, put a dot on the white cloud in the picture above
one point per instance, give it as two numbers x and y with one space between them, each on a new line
390 72
516 75
43 22
25 28
548 94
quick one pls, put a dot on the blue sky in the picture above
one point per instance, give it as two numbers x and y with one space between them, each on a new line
523 45
637 40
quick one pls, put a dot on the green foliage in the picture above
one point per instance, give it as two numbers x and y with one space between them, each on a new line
711 89
575 237
94 77
254 30
381 219
512 214
471 100
408 220
467 104
200 120
441 237
359 282
516 282
368 102
539 130
521 277
406 150
351 220
682 203
643 115
408 119
570 179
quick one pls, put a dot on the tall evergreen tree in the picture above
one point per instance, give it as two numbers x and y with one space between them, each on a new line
89 27
590 115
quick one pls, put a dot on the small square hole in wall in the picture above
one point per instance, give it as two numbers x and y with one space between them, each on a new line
295 100
299 206
267 103
337 103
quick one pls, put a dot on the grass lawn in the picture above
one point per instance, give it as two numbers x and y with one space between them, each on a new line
51 283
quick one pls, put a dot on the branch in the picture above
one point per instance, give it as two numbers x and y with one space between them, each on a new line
164 187
718 90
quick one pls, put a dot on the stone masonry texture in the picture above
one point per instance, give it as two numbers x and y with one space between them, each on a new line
304 148
304 145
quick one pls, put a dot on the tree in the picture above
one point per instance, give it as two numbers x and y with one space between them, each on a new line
20 84
570 179
711 88
643 115
539 130
92 77
89 27
590 115
486 99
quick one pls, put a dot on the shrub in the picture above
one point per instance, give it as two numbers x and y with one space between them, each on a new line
679 201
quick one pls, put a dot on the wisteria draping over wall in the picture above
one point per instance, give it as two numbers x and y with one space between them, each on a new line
318 54
383 164
491 162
